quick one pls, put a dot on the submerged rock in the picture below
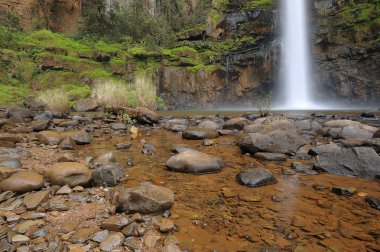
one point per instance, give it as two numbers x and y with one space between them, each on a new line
192 161
69 173
145 199
256 177
24 181
360 161
373 202
199 134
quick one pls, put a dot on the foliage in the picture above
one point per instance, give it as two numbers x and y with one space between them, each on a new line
126 119
56 100
264 104
10 95
111 93
145 25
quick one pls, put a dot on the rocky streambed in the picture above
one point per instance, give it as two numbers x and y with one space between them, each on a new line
189 183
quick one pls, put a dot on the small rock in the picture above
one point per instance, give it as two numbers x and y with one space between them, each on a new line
344 191
123 146
112 241
64 190
151 240
256 177
20 238
69 173
373 202
266 156
102 159
108 175
199 134
33 200
100 236
67 144
165 225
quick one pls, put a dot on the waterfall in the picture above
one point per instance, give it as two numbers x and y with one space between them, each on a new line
296 76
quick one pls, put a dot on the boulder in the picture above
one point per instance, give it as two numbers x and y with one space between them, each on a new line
40 125
278 141
118 126
324 148
376 134
211 125
24 181
145 199
49 137
266 156
143 115
69 124
199 134
345 123
192 161
237 123
102 159
256 177
86 105
360 161
67 144
19 114
69 173
355 132
79 137
108 175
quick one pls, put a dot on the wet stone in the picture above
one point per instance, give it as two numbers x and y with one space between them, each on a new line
116 223
266 156
57 204
256 177
130 230
199 134
151 240
349 191
165 225
33 200
113 240
24 181
373 202
11 163
108 175
191 161
146 198
123 146
100 236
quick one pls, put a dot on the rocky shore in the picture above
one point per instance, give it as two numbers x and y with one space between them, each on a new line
87 182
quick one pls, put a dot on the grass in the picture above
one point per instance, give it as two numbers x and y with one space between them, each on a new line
112 93
56 100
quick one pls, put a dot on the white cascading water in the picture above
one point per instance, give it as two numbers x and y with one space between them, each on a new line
295 63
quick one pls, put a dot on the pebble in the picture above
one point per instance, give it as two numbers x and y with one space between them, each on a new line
20 238
165 225
151 240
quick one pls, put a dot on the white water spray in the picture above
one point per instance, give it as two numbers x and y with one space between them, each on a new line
295 64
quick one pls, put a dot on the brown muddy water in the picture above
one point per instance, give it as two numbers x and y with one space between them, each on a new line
214 212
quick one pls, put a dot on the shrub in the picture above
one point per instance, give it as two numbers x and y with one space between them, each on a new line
144 90
56 100
111 93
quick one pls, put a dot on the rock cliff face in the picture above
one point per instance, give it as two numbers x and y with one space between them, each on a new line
248 71
347 52
345 39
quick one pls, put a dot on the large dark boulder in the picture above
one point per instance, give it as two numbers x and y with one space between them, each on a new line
278 141
360 161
